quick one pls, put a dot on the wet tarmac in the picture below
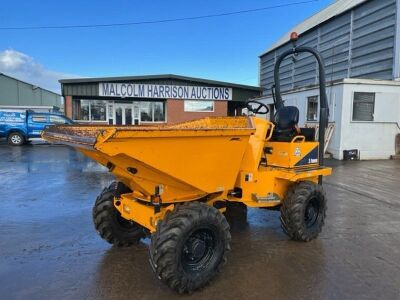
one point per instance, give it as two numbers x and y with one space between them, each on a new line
50 250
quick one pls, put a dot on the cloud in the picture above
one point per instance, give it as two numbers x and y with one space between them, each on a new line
24 67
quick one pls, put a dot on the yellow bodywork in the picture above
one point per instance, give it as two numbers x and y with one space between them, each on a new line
210 159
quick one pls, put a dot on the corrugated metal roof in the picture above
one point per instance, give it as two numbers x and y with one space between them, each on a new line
335 9
158 77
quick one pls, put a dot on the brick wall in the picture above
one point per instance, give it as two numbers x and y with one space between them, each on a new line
176 113
68 106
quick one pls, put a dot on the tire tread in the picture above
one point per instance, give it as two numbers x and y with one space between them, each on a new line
292 210
168 233
103 218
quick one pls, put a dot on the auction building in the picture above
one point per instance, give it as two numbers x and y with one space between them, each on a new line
152 99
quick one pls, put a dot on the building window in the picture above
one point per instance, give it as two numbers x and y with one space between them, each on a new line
159 115
82 111
146 112
312 108
363 106
89 110
152 111
98 110
198 106
102 110
85 110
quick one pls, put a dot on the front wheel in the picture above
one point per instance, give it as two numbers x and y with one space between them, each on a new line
189 246
108 221
16 139
303 211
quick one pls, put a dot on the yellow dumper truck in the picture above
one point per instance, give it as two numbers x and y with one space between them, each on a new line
176 182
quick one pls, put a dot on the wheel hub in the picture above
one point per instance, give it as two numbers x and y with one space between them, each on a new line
195 248
311 212
198 250
16 139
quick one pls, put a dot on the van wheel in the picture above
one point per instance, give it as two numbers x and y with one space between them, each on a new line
16 139
109 223
189 246
303 211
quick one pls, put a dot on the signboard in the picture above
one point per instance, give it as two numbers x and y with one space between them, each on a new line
12 117
137 90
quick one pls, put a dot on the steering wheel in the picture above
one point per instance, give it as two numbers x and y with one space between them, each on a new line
258 109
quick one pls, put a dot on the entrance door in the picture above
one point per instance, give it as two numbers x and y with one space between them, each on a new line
123 114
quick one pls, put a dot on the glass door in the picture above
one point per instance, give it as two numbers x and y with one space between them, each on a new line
119 115
128 115
123 114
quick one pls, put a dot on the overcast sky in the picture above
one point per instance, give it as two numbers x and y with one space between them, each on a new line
224 48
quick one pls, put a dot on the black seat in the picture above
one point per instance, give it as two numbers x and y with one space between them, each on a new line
286 120
308 133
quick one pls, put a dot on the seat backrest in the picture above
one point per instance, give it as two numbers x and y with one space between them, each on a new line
287 117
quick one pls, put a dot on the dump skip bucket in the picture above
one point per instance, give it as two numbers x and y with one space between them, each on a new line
188 160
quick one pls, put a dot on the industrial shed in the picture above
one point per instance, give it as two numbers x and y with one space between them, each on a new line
17 94
360 43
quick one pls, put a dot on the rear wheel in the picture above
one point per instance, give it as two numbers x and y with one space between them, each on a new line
109 223
303 211
190 246
16 139
236 213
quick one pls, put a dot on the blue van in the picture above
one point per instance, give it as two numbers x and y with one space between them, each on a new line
18 126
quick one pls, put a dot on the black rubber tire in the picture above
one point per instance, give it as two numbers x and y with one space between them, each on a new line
108 221
16 139
236 213
169 243
295 216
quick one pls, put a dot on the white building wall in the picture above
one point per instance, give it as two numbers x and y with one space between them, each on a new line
375 139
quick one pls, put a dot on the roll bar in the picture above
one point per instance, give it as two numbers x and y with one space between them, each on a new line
324 110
